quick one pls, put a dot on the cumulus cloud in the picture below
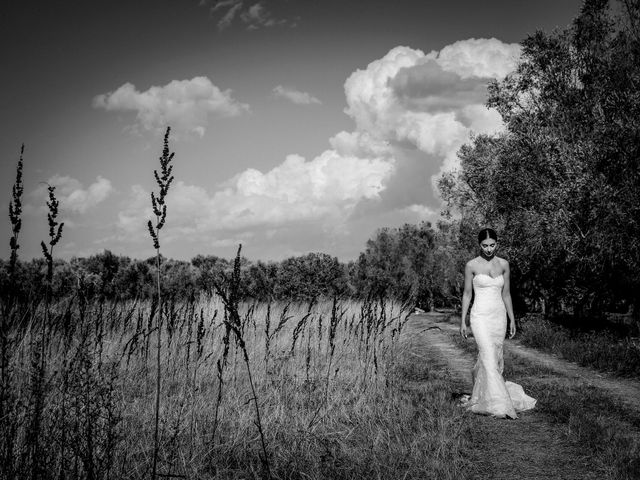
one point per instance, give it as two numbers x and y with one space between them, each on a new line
72 195
185 105
480 57
360 144
432 101
427 86
370 100
421 211
295 96
325 189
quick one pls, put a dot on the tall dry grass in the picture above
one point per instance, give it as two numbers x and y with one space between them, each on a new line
333 387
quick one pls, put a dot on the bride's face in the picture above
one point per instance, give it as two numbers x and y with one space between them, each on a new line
488 247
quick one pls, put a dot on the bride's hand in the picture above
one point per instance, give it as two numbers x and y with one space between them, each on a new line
512 329
463 330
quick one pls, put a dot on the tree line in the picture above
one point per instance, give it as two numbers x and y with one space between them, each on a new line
412 263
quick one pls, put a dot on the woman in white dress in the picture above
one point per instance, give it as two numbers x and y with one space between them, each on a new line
488 277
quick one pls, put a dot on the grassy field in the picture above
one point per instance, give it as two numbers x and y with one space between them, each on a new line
326 391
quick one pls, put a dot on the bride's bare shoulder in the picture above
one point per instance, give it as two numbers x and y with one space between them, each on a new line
471 264
503 263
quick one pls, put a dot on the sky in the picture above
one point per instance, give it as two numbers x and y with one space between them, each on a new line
298 126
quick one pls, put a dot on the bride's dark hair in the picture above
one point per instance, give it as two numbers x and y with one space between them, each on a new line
487 233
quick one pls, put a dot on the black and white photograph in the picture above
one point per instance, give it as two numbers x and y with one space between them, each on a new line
320 239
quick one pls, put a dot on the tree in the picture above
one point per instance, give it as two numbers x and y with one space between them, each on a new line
562 184
209 269
310 276
402 263
260 280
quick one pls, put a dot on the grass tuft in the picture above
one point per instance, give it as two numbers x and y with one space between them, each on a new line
602 350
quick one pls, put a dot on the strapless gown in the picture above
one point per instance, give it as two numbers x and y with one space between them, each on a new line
491 394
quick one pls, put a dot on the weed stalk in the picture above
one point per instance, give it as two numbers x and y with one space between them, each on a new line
158 203
7 425
233 322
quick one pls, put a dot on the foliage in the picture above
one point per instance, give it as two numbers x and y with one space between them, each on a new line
416 263
597 348
310 276
209 270
562 184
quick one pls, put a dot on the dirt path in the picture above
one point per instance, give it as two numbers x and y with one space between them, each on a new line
624 390
531 447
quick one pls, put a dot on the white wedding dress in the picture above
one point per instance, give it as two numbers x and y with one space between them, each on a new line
491 394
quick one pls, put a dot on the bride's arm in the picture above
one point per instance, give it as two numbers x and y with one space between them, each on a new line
506 298
466 298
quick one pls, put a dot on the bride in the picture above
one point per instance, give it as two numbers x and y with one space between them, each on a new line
489 277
